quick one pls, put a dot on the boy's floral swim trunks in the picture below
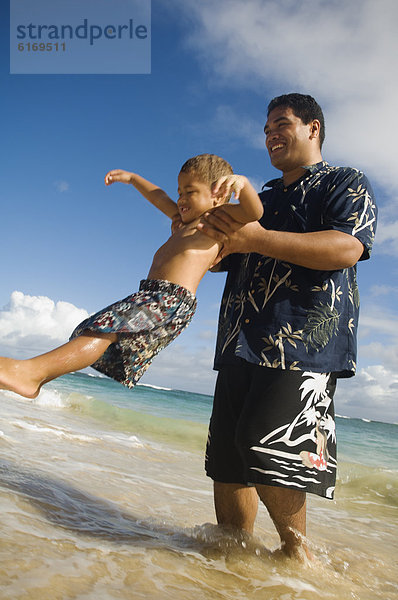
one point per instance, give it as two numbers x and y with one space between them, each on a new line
146 322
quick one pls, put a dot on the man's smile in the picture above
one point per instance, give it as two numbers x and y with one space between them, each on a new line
277 146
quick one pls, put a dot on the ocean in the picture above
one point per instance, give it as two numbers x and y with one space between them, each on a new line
103 496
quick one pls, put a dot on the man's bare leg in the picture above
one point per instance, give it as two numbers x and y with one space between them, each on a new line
25 377
287 509
236 505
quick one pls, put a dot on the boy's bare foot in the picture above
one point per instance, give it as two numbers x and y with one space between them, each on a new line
15 376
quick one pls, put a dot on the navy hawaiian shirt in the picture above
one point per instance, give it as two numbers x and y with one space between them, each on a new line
281 315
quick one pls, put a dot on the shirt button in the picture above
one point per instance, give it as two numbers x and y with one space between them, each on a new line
276 212
285 189
247 320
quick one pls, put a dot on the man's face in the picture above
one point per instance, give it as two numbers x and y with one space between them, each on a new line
289 142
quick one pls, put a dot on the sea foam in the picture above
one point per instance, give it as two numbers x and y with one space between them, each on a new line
52 398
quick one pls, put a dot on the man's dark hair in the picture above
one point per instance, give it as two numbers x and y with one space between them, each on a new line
304 107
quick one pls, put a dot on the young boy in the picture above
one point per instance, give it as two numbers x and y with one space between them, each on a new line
122 340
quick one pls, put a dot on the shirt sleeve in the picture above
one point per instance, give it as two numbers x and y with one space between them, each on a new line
232 262
350 207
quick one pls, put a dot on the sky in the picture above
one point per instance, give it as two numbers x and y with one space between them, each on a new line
71 246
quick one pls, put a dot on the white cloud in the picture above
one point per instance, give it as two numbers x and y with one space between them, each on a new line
378 336
207 334
33 324
386 241
379 320
384 290
370 394
182 367
245 128
387 354
61 186
343 53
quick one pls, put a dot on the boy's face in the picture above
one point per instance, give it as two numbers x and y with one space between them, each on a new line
194 197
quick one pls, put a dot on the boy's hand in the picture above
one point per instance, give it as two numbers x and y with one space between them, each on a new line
118 175
228 184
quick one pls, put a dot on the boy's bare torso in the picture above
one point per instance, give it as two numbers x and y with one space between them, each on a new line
185 257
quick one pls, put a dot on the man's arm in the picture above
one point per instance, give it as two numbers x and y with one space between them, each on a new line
321 250
154 194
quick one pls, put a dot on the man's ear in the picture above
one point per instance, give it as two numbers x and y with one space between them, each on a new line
315 128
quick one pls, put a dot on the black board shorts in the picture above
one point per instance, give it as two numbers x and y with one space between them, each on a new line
273 427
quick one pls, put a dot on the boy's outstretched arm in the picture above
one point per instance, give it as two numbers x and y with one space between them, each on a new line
154 194
249 208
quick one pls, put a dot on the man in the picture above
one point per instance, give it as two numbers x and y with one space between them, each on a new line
287 327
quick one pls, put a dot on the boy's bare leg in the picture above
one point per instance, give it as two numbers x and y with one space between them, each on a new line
25 377
236 505
287 509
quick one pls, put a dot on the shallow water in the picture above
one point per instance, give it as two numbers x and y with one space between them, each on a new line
100 503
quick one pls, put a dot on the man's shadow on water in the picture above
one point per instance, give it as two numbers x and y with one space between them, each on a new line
85 514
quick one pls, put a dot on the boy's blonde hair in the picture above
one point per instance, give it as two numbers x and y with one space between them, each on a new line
208 167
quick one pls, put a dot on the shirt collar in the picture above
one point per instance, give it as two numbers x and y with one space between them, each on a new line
278 182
